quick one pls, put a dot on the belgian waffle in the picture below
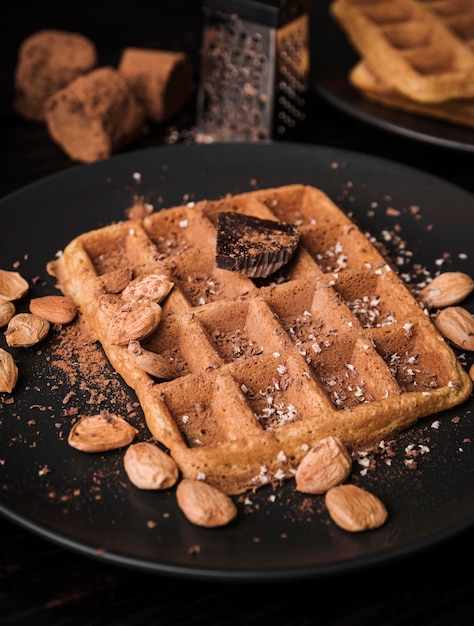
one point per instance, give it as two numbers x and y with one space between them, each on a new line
409 47
333 343
458 15
373 88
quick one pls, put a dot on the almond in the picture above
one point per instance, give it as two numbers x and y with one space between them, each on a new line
151 363
98 433
456 324
148 467
25 330
115 281
203 504
355 509
133 321
7 311
12 285
55 309
109 303
447 289
324 466
8 372
154 287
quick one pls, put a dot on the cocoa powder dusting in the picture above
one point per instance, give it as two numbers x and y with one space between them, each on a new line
81 360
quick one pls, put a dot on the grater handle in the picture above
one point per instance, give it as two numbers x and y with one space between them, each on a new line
272 13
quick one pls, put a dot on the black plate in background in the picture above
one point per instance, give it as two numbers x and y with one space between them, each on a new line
333 57
85 503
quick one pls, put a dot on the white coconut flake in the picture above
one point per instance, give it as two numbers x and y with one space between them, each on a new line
279 474
282 457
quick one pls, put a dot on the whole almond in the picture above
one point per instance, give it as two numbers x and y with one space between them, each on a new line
99 433
151 362
7 311
148 467
25 330
154 287
12 285
324 466
355 509
447 289
55 309
109 303
456 324
203 504
133 321
8 372
115 281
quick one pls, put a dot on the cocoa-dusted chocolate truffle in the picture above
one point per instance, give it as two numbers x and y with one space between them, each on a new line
95 116
253 246
48 61
161 80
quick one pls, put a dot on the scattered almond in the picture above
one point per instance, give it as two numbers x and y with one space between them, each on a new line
12 285
99 433
447 289
355 509
8 372
110 304
7 311
154 287
148 467
456 324
151 363
55 309
203 504
324 466
133 321
25 330
115 281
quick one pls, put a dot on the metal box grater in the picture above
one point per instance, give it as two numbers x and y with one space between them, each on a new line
255 69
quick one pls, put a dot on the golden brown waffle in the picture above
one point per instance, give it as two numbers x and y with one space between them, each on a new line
333 343
373 88
458 15
409 47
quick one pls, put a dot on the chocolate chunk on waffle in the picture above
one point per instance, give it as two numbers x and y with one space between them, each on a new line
410 47
331 344
253 246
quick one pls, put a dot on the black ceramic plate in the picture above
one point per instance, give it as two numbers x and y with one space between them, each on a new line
85 503
334 57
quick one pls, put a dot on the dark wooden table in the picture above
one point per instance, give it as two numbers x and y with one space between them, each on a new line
41 583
